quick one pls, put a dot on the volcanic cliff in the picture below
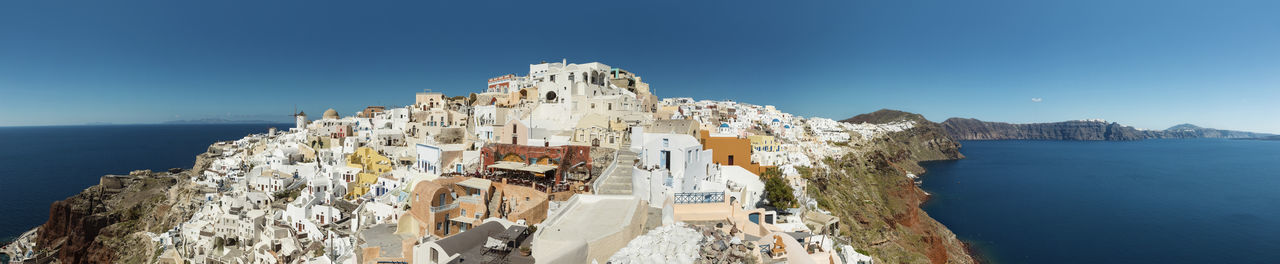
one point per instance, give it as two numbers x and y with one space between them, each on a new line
877 203
974 129
108 222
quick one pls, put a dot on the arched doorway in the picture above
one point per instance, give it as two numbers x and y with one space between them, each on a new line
551 96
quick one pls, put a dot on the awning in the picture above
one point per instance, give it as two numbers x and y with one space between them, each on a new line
507 165
539 168
516 166
463 219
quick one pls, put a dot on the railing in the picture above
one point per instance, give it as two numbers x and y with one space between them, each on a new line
435 209
560 188
475 199
699 197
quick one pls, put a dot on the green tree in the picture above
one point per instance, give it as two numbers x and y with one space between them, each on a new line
777 190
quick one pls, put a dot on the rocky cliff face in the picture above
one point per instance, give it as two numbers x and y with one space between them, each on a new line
973 129
106 222
877 204
885 116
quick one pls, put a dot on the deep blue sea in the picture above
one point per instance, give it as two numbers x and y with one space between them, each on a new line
40 165
1154 201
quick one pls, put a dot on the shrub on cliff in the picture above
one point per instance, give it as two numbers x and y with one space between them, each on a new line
776 189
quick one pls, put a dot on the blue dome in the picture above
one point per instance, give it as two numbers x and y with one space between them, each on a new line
724 125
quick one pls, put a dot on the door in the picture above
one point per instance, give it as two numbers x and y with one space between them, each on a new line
665 158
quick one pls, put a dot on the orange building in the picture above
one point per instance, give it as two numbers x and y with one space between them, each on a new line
730 151
451 205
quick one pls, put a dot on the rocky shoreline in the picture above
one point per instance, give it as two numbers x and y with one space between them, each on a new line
113 221
978 257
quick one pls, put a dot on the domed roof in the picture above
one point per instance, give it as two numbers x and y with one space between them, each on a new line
330 114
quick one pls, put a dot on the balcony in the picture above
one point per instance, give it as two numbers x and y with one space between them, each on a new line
475 199
699 198
436 209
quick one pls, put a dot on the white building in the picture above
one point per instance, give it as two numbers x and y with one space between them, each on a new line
428 159
669 164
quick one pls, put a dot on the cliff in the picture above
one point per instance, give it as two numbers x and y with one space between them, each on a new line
108 222
877 204
973 129
1193 131
885 116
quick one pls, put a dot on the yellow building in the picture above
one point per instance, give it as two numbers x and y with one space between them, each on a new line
764 143
371 164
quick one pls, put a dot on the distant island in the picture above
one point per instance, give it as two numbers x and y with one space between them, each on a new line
211 121
974 129
1277 138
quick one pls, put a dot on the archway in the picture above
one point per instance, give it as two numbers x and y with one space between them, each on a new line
513 158
544 160
551 96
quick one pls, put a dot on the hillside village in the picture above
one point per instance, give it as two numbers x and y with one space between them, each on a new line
568 163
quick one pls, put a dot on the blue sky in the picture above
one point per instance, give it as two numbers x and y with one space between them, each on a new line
1151 64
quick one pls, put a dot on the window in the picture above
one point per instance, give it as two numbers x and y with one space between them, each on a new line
730 160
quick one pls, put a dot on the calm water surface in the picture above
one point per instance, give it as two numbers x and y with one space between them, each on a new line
40 165
1155 201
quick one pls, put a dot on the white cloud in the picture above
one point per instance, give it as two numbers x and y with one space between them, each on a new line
1037 99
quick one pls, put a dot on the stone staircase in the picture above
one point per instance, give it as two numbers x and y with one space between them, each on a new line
618 180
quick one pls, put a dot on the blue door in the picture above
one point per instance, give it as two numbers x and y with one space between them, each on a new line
664 158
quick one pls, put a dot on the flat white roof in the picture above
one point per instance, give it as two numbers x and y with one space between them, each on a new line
476 183
591 217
